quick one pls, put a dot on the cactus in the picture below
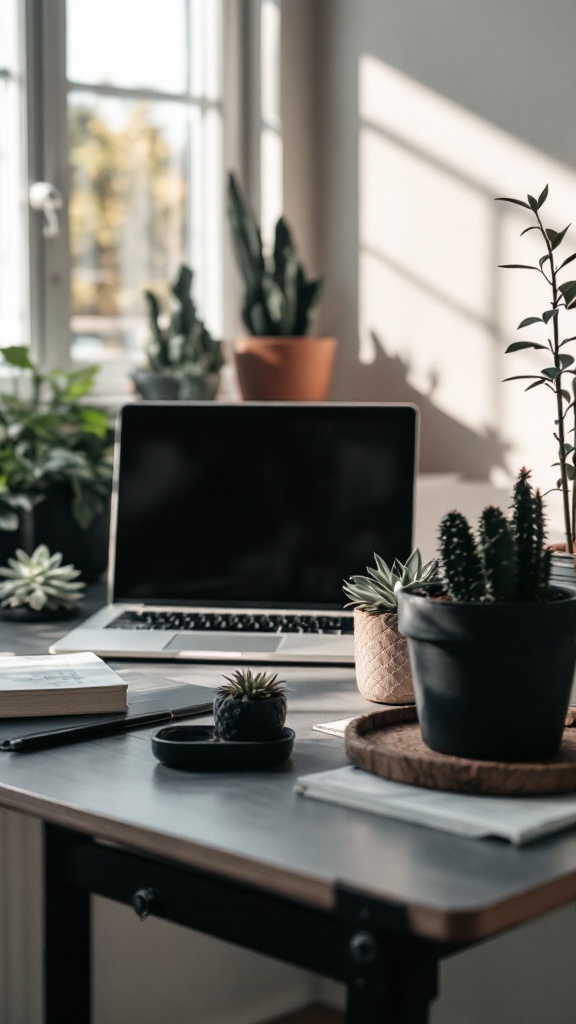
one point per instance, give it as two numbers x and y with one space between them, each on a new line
460 558
376 593
280 301
186 347
508 561
499 554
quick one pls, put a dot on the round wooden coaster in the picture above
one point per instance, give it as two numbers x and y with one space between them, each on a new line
389 743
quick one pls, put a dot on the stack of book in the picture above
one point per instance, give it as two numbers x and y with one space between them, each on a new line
59 684
563 572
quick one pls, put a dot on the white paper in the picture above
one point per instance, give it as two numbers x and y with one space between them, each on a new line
517 819
336 728
56 671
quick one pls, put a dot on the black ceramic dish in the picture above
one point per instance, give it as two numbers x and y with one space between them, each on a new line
196 747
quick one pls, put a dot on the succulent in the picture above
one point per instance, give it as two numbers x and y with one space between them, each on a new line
185 347
250 706
39 581
508 560
376 593
279 299
244 685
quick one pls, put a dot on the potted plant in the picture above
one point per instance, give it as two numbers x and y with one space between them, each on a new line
184 360
279 360
38 588
493 650
250 706
559 374
381 657
55 465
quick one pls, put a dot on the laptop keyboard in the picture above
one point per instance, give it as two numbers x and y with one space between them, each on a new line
216 621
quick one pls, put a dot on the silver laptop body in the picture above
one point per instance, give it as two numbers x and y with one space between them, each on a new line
234 525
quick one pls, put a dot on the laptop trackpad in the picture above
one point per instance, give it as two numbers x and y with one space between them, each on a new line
225 642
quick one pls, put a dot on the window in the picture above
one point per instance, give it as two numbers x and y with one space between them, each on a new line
125 101
14 326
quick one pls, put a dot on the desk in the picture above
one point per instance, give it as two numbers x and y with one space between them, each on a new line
372 903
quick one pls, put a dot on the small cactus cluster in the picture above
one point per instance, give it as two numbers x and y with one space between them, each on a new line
39 581
280 301
184 347
245 685
507 560
376 593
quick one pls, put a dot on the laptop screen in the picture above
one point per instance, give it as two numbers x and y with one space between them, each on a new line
262 505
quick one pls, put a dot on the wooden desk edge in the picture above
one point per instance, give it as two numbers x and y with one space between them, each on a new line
428 922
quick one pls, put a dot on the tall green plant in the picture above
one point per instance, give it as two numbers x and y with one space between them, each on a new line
184 347
560 367
279 299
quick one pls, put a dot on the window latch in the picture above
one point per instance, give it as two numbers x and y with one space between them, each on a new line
46 198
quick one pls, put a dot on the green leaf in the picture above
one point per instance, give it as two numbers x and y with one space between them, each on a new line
536 384
570 471
552 372
517 345
568 290
549 314
568 448
533 227
516 266
505 199
543 259
530 320
555 237
17 355
565 361
567 261
533 203
523 376
543 196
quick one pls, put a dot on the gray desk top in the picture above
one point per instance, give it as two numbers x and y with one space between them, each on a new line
251 826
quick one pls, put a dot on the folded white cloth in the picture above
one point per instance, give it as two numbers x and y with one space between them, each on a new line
517 819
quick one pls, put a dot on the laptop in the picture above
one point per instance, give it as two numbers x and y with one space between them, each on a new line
233 527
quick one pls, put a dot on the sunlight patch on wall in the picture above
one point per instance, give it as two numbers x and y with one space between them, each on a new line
431 237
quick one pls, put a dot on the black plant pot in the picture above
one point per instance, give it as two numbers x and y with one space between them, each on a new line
52 523
491 681
249 719
167 386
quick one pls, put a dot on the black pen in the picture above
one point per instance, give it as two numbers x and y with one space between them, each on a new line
42 740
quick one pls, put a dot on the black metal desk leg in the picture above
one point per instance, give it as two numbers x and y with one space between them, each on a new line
393 980
66 935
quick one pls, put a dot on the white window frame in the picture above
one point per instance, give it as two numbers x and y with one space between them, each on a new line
48 161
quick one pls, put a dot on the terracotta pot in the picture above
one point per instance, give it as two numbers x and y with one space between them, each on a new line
383 672
285 369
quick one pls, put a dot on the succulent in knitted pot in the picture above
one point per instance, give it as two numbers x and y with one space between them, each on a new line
38 586
250 706
383 673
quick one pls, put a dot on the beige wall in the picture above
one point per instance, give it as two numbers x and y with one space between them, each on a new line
403 121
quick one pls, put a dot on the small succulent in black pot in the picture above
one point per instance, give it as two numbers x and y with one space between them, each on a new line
250 706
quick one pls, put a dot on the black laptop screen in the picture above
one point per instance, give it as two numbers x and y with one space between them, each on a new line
259 505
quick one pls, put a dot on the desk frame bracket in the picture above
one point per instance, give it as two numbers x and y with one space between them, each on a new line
363 943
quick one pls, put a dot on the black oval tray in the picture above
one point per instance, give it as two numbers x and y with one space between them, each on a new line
196 747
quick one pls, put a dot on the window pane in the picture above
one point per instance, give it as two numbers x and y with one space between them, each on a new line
127 215
128 43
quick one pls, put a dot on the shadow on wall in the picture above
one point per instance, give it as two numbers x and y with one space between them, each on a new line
446 445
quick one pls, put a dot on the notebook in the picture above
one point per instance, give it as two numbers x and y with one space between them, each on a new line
234 525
